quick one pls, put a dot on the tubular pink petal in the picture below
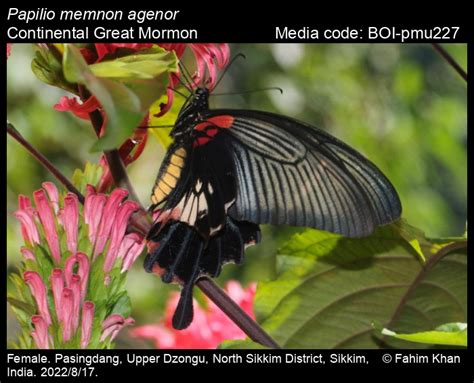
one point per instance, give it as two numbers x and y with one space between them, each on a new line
67 301
70 218
118 231
57 286
47 220
133 253
108 217
225 51
67 104
113 324
127 242
200 70
40 334
94 216
29 230
87 323
76 292
27 254
53 194
90 192
82 270
23 202
38 290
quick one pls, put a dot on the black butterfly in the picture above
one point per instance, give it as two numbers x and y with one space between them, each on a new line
230 170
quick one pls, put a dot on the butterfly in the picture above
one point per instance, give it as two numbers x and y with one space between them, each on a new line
227 171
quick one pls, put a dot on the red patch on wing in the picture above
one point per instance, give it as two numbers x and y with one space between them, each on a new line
211 127
222 122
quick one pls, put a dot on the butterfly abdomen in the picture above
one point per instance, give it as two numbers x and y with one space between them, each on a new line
169 174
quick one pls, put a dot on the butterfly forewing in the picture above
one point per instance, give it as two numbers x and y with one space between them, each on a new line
290 173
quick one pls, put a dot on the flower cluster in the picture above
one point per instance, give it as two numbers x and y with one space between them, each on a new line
210 326
209 58
73 258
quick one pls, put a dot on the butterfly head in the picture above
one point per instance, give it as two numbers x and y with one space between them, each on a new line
191 113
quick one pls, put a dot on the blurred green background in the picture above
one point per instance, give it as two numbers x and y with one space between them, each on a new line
402 106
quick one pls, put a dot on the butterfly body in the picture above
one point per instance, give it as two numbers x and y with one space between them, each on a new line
230 170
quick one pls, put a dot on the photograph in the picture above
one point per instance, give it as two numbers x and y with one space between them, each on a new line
236 196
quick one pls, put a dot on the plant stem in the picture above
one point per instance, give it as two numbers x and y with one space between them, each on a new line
44 161
235 313
450 60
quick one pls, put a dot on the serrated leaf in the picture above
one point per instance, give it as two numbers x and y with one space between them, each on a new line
330 289
450 334
126 87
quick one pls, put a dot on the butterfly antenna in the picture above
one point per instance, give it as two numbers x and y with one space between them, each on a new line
155 126
187 76
249 91
178 92
182 83
238 55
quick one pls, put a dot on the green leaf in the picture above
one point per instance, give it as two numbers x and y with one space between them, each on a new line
163 134
126 87
48 69
123 305
450 334
246 344
330 289
23 306
90 175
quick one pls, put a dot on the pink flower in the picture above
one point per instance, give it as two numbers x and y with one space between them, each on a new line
57 286
38 290
53 195
40 334
107 219
49 223
27 254
95 204
118 231
82 260
81 110
131 247
113 324
208 56
67 302
70 220
76 292
23 202
86 323
29 230
210 326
